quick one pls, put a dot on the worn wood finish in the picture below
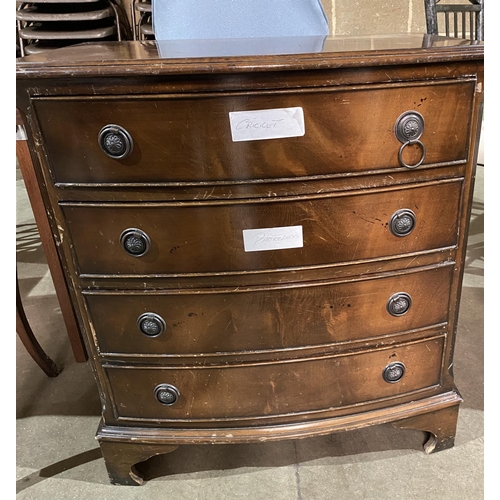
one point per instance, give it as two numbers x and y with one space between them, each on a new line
131 59
207 237
221 321
269 345
273 388
130 445
439 425
120 459
340 136
376 267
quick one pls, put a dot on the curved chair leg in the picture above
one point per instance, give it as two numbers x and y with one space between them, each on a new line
28 339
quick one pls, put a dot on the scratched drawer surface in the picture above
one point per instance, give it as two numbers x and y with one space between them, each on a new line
218 321
179 138
274 388
130 239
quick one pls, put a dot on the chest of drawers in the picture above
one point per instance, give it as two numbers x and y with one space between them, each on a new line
246 277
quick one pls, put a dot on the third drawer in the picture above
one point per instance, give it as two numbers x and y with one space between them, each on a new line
217 321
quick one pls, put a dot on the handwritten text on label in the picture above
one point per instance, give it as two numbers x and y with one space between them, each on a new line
266 124
272 238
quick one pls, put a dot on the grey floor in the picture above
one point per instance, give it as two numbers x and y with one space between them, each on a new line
58 457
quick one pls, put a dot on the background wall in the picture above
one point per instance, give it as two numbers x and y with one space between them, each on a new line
368 17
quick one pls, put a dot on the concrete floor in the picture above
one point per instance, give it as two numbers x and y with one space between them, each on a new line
58 458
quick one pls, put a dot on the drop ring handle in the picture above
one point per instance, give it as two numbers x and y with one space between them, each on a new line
408 129
400 154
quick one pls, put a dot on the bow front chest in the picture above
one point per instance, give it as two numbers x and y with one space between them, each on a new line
260 246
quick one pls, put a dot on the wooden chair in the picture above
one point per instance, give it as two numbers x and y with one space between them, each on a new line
29 340
461 20
55 267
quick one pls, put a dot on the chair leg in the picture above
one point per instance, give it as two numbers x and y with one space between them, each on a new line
27 337
50 249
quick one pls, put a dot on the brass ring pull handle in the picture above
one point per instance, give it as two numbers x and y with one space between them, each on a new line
402 222
135 242
167 394
394 372
408 130
115 141
400 154
151 324
399 304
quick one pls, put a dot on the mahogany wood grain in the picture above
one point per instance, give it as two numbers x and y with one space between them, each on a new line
136 59
123 447
207 237
281 355
218 321
377 267
439 425
187 139
304 385
120 460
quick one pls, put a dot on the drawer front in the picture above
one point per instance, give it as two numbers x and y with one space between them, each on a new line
208 237
208 321
268 389
183 138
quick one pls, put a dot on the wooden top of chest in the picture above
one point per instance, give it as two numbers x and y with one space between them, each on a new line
131 58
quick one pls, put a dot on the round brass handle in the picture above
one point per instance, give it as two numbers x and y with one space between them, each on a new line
419 162
167 394
408 129
135 242
394 372
402 222
151 324
115 141
399 304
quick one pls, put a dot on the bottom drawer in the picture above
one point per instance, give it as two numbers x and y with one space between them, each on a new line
241 391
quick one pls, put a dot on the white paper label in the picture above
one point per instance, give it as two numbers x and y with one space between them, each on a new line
272 238
267 124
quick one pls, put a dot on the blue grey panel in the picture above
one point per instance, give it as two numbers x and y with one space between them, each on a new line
172 49
209 19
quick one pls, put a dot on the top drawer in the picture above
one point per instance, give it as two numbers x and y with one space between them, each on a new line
187 138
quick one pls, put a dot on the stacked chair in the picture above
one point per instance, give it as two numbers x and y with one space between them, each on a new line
48 24
141 20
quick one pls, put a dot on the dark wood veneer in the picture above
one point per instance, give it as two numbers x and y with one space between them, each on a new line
352 139
216 321
272 388
206 237
270 345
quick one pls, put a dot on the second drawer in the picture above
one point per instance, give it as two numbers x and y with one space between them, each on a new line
131 239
